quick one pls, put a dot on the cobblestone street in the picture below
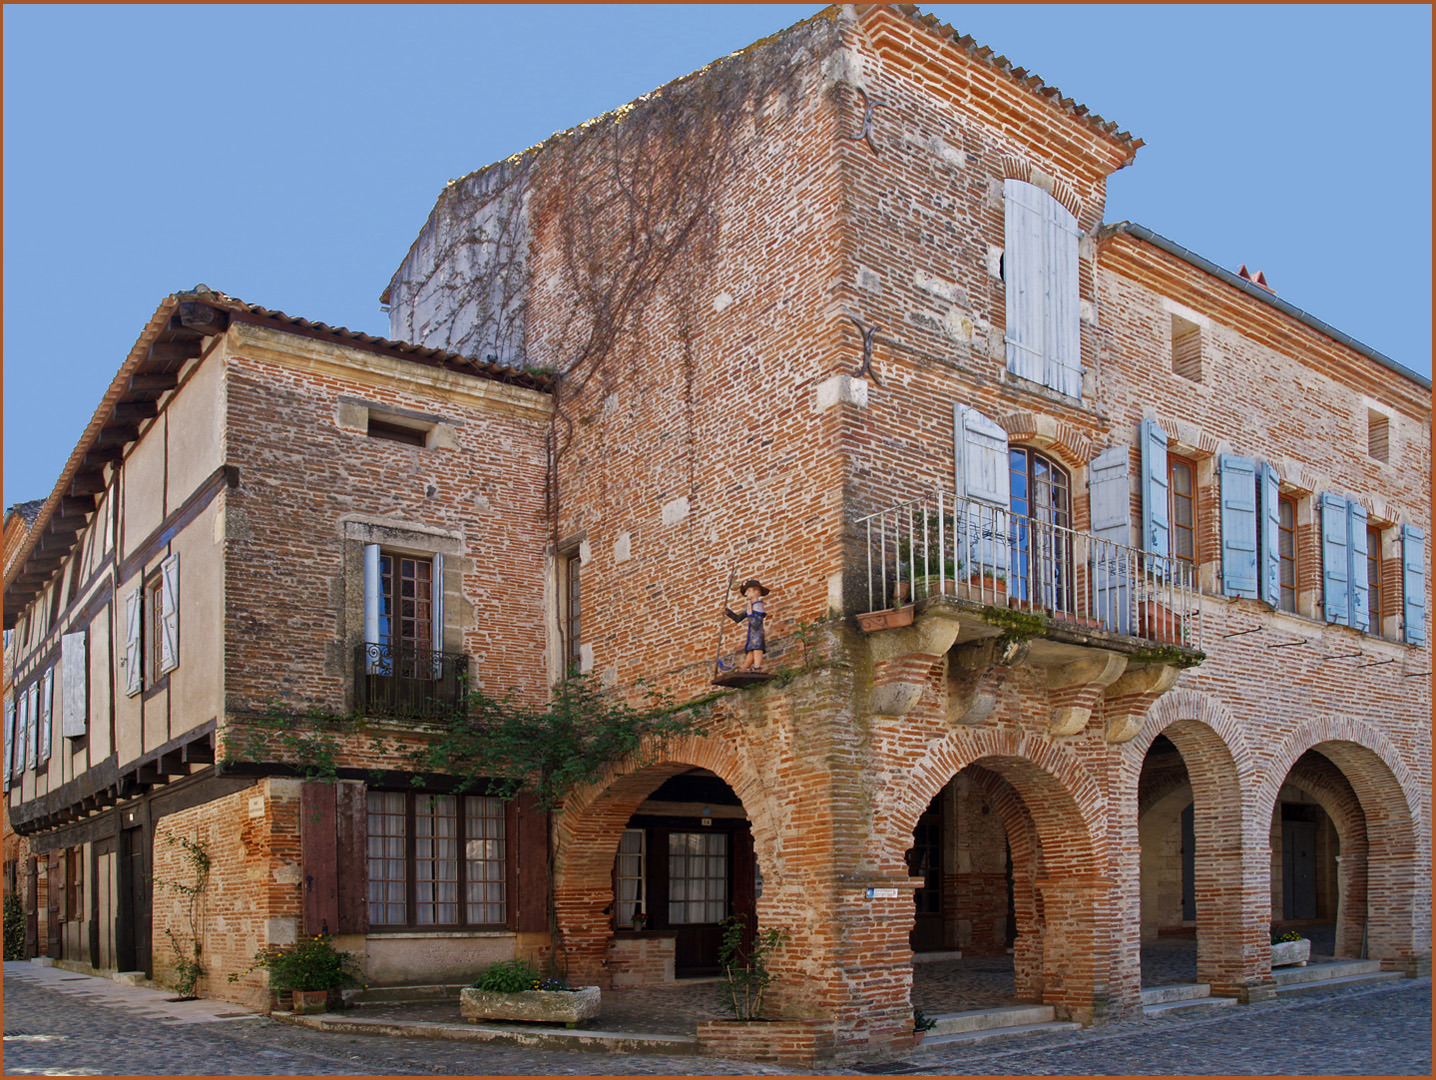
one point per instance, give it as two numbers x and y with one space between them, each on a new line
58 1023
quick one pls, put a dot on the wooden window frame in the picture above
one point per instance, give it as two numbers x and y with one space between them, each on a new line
1376 606
389 599
1173 460
75 883
1287 534
571 616
152 631
411 922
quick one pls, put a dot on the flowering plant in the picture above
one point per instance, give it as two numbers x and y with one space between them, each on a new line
515 977
312 964
1278 935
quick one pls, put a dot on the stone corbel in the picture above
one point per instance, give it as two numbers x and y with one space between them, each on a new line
1127 700
903 661
976 674
1075 687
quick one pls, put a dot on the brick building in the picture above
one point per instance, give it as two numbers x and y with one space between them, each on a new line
1073 653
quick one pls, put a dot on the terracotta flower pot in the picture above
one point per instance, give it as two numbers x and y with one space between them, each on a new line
886 620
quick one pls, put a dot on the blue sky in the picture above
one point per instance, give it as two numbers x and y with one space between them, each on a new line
289 155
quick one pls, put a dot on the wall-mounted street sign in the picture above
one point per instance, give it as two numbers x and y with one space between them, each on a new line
882 894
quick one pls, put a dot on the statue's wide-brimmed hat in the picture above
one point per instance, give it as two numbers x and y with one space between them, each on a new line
754 583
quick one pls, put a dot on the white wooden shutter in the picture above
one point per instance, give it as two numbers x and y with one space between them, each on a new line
371 608
9 739
1359 614
47 713
982 476
1063 307
169 614
134 604
1335 571
32 725
1156 533
74 686
436 591
1269 534
1024 271
1109 488
1239 525
1413 584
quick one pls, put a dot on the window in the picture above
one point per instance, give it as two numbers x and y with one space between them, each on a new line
1186 349
629 880
697 878
1182 510
1373 577
1378 436
152 629
406 602
437 860
155 616
1040 268
573 648
75 883
1286 546
401 429
1042 491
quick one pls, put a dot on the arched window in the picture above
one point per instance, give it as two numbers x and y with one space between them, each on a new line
1041 503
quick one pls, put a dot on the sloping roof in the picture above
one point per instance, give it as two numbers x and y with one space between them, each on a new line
27 510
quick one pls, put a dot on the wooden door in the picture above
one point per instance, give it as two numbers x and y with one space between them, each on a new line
700 889
32 907
54 895
102 904
1298 878
133 924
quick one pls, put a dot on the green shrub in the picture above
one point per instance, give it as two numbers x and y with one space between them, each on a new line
312 964
516 976
14 927
745 975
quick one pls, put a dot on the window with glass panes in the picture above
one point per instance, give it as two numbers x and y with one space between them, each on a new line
1286 550
406 602
697 878
1373 577
437 860
629 879
1182 475
572 626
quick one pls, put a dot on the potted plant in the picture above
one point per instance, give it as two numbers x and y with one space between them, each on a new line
921 1025
310 970
515 990
1289 948
640 921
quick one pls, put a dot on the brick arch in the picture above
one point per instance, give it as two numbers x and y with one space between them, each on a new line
588 831
1070 445
1328 785
1398 889
1017 168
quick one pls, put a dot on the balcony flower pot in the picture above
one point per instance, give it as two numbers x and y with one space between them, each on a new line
310 1001
1157 622
1291 953
887 619
568 1007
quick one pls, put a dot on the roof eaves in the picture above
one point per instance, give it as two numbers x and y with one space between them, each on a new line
1256 292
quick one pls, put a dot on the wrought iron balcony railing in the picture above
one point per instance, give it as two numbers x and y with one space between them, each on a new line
939 544
400 681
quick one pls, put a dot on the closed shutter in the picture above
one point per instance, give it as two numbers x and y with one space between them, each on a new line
1156 532
1269 534
983 477
1064 314
1239 525
1359 615
134 604
46 722
1335 572
9 739
528 854
1025 275
371 606
169 614
318 855
74 685
32 726
1109 487
1413 584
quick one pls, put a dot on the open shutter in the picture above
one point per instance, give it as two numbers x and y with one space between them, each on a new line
46 723
436 592
1025 275
1360 607
1239 525
1156 533
1109 487
529 852
1269 535
9 739
1413 584
371 607
32 726
1335 580
1063 312
169 614
134 604
983 478
74 686
22 731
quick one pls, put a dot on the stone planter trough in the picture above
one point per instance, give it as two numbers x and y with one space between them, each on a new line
571 1007
310 1001
1289 953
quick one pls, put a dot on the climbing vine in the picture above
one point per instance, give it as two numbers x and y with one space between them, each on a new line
189 949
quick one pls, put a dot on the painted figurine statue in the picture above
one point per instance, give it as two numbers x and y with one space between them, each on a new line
756 644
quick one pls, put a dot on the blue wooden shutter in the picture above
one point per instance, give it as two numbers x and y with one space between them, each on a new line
983 476
9 739
1335 582
1239 525
1025 274
1269 534
1064 312
74 685
1156 534
1109 487
1359 613
1413 584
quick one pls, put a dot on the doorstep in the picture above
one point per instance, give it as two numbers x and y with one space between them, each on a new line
526 1035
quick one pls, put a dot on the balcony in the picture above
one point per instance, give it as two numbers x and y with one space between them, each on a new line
409 683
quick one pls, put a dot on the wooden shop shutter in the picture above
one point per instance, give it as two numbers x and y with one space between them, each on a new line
134 604
46 723
1269 534
1025 274
1413 584
1239 525
1335 591
169 614
351 826
74 685
528 852
333 835
1064 315
1359 613
1156 531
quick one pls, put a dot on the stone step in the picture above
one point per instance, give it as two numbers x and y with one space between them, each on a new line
1335 969
968 1038
936 957
1312 986
1187 1005
404 995
1157 995
984 1019
533 1037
